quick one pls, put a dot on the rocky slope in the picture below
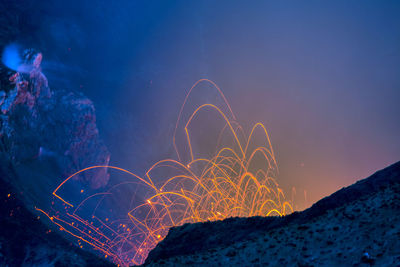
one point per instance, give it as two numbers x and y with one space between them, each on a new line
356 226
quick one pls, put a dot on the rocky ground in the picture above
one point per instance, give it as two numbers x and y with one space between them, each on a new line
356 226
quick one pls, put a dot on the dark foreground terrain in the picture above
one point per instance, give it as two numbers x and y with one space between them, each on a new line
357 226
26 241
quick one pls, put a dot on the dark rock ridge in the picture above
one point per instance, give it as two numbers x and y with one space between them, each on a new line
356 225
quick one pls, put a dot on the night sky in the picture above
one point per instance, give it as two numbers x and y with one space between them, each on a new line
324 77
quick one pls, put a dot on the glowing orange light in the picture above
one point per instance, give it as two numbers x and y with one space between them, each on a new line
238 180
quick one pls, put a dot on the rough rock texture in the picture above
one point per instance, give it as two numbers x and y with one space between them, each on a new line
358 225
37 125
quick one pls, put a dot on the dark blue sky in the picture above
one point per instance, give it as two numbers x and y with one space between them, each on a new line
322 75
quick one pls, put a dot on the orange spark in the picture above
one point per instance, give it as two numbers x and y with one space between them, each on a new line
238 180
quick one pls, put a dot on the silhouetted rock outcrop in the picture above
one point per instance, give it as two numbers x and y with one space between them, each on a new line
359 224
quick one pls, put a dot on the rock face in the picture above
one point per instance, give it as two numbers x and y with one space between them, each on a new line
45 136
358 225
37 124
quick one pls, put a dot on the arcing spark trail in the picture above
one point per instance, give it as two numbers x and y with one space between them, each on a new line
238 179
